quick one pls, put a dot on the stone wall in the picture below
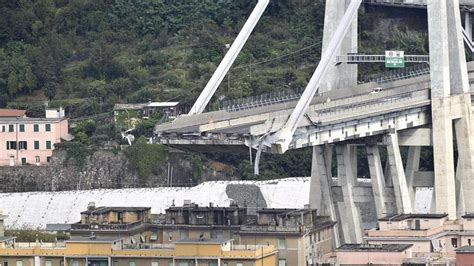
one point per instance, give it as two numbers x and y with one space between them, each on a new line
107 169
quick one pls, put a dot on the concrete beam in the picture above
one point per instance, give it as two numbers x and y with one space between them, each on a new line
412 166
350 218
402 195
415 137
443 156
378 182
320 196
423 179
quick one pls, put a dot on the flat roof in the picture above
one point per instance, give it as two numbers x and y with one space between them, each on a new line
101 210
465 249
468 215
401 217
58 227
29 119
374 248
203 208
95 239
282 210
203 241
6 238
137 106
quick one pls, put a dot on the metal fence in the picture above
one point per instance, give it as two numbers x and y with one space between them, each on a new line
398 74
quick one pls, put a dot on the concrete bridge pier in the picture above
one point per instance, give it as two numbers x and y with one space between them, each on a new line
450 101
347 177
400 187
378 180
343 75
321 196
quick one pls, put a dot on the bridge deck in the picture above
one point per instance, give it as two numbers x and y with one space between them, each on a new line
330 111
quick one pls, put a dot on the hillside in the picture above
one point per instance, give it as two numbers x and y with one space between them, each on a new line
88 55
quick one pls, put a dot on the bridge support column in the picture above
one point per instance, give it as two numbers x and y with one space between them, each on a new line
347 175
377 178
450 99
413 165
400 188
320 196
464 128
344 75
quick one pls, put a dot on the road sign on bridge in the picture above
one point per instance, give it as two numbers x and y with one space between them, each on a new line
394 59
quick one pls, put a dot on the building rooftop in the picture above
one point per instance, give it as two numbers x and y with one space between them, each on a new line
11 112
468 215
58 227
138 106
283 210
202 208
401 217
93 239
374 248
465 249
203 240
6 238
102 210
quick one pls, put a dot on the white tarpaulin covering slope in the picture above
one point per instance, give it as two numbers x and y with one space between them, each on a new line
36 209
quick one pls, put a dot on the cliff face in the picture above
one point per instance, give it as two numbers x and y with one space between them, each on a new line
106 169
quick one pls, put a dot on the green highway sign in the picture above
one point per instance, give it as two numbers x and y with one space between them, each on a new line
394 59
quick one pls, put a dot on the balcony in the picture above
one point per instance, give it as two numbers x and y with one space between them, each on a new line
107 227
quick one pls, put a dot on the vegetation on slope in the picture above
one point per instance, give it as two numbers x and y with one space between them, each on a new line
88 55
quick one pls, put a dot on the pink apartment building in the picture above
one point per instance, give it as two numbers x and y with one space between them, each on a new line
30 141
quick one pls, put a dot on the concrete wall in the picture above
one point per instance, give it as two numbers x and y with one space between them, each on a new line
103 169
351 258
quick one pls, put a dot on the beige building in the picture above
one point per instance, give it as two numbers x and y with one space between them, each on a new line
432 236
366 254
114 251
299 235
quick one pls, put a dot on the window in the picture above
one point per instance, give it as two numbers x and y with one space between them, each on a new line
19 263
48 159
154 263
226 264
469 242
5 263
212 263
61 263
239 264
47 127
170 263
11 128
23 145
74 262
281 262
37 145
48 145
3 130
183 235
22 129
37 160
184 263
36 128
115 263
11 145
281 243
23 161
131 263
48 263
154 235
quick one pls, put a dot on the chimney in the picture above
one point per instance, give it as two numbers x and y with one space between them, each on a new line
91 206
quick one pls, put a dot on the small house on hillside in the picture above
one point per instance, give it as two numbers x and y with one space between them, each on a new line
128 115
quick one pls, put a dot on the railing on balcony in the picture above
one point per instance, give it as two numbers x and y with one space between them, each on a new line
148 246
107 227
272 228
